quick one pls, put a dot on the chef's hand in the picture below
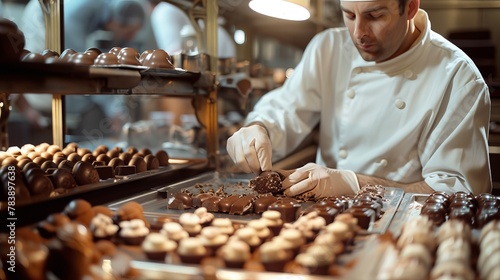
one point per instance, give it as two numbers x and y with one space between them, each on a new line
319 181
250 149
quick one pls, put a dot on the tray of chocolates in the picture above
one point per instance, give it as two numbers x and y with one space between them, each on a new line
42 174
244 197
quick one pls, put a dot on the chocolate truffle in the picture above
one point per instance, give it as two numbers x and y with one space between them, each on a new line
143 55
88 158
151 162
158 59
139 163
114 162
128 56
66 55
80 211
103 157
85 173
435 212
39 185
115 50
85 59
162 157
63 178
106 59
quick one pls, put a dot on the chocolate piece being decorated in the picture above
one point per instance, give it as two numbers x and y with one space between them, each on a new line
180 201
266 182
105 172
226 203
212 203
261 204
85 173
244 205
123 170
162 157
287 208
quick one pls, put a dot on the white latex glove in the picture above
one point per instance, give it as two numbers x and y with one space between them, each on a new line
250 149
319 181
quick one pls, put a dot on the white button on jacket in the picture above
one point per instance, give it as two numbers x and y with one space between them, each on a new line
428 126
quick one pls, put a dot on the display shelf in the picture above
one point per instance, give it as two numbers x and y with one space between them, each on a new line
37 209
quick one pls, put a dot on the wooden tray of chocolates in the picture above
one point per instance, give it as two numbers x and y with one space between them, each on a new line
207 189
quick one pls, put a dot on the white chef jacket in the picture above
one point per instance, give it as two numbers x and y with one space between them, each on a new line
423 115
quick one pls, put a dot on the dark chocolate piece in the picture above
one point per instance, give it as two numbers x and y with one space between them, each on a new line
288 209
114 162
63 178
103 157
123 170
85 173
105 172
365 216
242 206
126 157
39 185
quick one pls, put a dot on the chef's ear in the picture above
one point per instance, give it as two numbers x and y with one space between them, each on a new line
413 7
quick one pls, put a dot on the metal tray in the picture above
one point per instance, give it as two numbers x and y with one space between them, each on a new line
411 205
155 202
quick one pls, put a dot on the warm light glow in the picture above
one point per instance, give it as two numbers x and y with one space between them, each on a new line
283 9
239 37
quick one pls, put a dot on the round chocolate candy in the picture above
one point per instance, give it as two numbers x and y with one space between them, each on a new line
85 173
162 157
151 162
139 163
63 178
436 212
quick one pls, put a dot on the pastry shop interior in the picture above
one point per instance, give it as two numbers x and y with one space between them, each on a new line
112 147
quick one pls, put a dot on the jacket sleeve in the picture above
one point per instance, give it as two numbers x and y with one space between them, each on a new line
293 110
454 153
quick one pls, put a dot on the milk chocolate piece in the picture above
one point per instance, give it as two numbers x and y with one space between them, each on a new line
162 157
242 206
328 213
105 172
114 162
139 163
212 203
106 59
103 157
48 164
226 203
66 164
200 198
151 162
123 170
262 203
88 158
113 153
180 201
267 182
74 157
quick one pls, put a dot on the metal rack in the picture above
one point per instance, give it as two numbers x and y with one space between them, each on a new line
61 80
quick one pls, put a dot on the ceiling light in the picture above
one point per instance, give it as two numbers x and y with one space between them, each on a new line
284 9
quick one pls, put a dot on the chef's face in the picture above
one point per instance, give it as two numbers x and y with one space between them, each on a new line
379 29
